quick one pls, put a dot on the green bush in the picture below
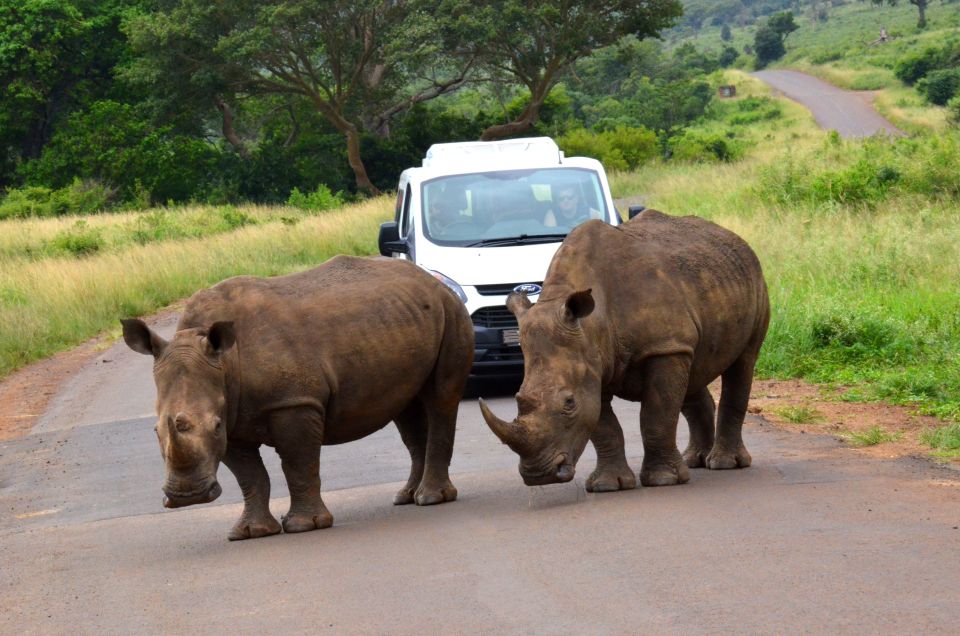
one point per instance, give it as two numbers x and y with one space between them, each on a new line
913 66
317 201
623 148
697 146
79 240
753 109
939 87
953 111
80 198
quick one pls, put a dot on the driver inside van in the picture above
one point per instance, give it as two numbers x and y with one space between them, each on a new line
570 209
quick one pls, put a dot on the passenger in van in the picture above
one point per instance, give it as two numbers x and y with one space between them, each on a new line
443 213
570 209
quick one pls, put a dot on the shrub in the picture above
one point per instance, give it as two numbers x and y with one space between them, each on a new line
623 148
939 87
317 201
911 67
80 198
953 111
704 147
753 109
768 45
79 240
235 218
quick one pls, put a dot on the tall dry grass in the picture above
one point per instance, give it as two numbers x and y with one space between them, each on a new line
52 304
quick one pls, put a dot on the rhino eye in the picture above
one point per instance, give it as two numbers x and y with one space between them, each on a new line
218 427
569 404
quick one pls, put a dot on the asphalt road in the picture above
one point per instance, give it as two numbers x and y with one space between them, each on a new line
850 113
813 538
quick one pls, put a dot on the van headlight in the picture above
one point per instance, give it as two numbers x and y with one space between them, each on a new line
452 284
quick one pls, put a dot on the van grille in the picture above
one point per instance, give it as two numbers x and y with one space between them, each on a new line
494 318
501 289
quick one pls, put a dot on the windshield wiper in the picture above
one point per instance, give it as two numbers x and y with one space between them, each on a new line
518 240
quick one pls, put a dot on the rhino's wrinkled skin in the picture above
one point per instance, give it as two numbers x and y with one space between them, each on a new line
650 311
325 356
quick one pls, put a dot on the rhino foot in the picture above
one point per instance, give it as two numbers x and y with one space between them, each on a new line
723 459
695 457
404 496
427 496
665 474
254 530
610 479
306 522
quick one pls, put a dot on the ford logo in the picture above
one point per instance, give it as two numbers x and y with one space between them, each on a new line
530 289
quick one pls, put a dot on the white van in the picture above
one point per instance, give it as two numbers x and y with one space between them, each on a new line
486 219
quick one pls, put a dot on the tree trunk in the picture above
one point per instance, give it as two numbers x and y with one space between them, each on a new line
521 124
922 9
356 163
229 133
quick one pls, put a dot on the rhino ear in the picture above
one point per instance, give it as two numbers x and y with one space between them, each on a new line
221 336
142 338
579 304
518 303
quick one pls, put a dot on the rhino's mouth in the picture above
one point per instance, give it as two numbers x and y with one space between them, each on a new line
206 494
559 470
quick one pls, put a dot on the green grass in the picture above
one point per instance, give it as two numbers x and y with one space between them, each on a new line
53 303
944 440
872 436
36 239
800 414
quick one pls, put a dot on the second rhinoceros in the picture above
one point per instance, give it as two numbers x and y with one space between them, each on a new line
651 311
320 357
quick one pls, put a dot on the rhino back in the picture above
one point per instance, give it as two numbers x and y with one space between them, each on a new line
359 337
668 284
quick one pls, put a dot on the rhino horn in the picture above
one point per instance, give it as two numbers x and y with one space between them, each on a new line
510 433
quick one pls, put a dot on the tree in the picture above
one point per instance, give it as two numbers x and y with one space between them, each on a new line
55 56
725 33
769 39
358 63
534 43
782 24
921 6
768 46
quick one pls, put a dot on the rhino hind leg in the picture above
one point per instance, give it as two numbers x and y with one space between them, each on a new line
700 412
612 472
435 486
728 449
412 424
255 520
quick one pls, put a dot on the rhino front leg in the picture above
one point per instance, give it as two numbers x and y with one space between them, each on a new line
612 471
664 387
247 466
298 442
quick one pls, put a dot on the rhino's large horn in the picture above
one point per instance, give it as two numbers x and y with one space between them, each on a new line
510 433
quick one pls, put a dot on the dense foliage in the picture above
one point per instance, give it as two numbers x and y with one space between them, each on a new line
177 100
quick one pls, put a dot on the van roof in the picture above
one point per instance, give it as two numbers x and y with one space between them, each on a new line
479 154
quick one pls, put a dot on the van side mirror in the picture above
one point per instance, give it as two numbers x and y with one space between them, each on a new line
389 240
634 210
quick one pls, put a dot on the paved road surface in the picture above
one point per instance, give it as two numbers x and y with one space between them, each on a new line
847 112
812 538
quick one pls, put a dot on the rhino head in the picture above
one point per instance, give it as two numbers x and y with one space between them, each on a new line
559 401
191 406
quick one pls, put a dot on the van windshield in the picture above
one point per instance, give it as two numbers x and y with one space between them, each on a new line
510 206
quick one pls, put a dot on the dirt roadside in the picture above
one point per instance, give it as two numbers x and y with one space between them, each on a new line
26 394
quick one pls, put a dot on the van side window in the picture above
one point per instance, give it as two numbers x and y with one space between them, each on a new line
398 206
405 215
